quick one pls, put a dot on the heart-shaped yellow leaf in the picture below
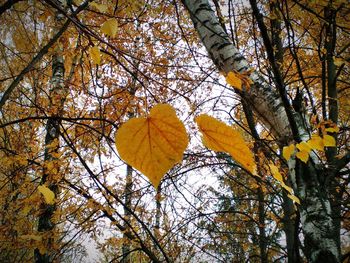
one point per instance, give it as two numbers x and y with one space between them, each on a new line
220 137
154 144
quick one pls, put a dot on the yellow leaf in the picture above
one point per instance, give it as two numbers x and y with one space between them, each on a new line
47 193
338 61
100 7
233 79
277 175
288 189
332 129
110 27
294 198
329 141
316 143
33 237
304 147
220 137
154 144
95 55
303 155
288 151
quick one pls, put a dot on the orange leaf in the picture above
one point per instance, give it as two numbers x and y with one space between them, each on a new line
288 151
304 147
154 144
303 155
233 79
316 143
220 137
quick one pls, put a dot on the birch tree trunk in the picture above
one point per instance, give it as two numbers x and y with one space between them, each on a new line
319 228
58 93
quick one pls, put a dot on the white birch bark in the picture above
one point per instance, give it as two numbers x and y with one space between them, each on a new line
264 100
315 210
58 93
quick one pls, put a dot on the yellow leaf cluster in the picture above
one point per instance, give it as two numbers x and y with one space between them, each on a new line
153 144
110 27
339 61
316 143
49 196
304 148
220 137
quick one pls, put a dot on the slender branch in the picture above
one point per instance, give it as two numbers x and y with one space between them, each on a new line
66 138
277 74
107 214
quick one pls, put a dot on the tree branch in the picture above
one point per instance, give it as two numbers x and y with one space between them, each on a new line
342 162
277 74
38 57
31 64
